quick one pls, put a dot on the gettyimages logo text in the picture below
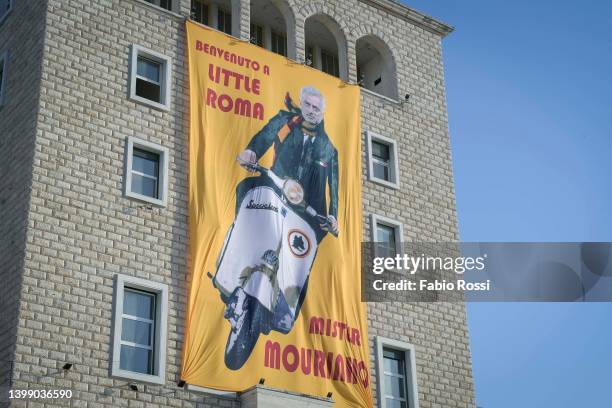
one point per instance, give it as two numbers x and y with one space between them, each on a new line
412 264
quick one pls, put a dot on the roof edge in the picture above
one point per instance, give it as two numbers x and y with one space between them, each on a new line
413 16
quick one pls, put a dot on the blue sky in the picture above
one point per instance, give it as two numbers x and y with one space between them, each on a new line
529 87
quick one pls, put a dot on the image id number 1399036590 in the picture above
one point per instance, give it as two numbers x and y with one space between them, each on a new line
40 394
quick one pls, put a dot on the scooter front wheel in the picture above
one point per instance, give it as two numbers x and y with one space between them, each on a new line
243 337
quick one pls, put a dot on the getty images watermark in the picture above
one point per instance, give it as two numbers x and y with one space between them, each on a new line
498 272
410 265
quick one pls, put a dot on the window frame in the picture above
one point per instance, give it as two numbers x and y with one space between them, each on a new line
156 177
4 62
393 160
285 43
335 60
253 38
397 226
162 186
386 163
166 76
5 15
204 6
152 329
409 350
173 4
222 12
161 328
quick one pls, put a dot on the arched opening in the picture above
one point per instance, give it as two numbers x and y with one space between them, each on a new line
376 66
217 14
326 46
273 26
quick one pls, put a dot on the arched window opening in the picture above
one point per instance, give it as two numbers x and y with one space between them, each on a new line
325 46
376 66
213 13
273 26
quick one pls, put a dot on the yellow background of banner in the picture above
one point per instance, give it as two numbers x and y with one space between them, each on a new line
216 138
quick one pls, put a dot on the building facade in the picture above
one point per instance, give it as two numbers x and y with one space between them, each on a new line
70 228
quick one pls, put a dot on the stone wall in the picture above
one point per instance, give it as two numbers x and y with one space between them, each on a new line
21 36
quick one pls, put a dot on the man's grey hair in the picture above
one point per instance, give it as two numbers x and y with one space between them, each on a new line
309 90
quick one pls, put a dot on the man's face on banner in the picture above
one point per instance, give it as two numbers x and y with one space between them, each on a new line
312 108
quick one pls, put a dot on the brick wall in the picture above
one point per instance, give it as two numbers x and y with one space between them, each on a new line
21 35
82 231
425 205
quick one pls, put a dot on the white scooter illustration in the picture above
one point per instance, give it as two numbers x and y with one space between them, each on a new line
265 292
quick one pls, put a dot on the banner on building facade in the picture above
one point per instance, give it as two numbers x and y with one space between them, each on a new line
275 225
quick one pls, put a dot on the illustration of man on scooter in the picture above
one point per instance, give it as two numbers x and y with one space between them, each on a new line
282 215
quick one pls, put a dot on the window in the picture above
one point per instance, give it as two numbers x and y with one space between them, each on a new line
150 77
396 374
3 75
329 63
279 43
385 235
388 235
224 21
277 22
329 45
139 329
382 158
5 7
257 35
394 377
376 67
165 4
310 61
199 12
146 172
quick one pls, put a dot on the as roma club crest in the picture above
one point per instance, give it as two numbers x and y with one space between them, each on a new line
299 244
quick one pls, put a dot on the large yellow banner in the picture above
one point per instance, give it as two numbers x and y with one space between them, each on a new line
275 225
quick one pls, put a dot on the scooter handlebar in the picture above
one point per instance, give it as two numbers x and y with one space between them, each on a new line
254 167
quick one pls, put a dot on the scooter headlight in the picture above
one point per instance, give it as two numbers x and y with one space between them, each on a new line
293 191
